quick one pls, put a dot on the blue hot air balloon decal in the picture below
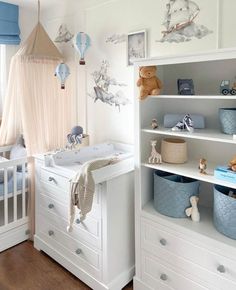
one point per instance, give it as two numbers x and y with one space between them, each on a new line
62 72
82 42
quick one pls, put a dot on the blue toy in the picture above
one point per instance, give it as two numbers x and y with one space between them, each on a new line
62 72
225 88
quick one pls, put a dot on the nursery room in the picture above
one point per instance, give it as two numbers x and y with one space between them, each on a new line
117 145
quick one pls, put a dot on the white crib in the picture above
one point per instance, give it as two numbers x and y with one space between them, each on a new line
14 227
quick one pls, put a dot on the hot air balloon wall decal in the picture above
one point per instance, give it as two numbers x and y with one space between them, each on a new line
62 72
82 42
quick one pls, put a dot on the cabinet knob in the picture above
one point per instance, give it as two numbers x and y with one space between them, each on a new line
50 206
27 232
78 251
221 269
77 221
50 233
52 179
163 242
163 277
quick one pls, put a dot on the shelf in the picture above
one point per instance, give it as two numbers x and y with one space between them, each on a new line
200 134
190 169
205 227
195 97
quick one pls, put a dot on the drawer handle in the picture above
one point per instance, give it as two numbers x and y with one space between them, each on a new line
163 277
50 233
27 232
221 269
78 221
50 206
163 242
78 251
52 179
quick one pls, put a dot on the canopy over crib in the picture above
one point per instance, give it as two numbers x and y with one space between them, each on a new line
39 45
35 105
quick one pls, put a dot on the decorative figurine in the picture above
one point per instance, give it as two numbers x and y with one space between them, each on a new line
62 72
232 164
185 87
155 157
193 210
225 88
75 137
202 166
82 42
154 124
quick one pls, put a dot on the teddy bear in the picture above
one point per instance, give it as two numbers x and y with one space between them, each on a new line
232 164
148 82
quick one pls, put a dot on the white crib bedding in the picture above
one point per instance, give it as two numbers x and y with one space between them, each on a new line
10 185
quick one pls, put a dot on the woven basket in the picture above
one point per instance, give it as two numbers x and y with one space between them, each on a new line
228 120
172 193
174 150
224 212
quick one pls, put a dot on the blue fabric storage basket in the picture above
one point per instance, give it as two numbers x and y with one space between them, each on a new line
228 120
172 193
224 211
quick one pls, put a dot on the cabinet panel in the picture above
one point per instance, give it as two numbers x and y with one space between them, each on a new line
218 269
80 250
160 276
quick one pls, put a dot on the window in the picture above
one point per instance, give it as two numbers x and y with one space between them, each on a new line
3 76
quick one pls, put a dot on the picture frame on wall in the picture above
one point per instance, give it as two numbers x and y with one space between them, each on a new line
136 46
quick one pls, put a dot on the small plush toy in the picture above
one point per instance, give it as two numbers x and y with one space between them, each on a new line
193 210
232 164
148 82
155 157
202 166
154 124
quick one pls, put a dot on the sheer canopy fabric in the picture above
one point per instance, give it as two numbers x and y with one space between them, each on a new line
35 105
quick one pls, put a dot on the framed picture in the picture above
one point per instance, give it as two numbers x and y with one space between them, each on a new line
136 46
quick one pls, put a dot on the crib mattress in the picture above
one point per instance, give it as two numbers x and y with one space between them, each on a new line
10 186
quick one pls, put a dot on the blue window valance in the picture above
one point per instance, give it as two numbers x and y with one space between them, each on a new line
9 27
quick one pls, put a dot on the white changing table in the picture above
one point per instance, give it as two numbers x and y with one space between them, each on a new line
99 250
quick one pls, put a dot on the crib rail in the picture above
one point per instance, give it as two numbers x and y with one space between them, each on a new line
14 185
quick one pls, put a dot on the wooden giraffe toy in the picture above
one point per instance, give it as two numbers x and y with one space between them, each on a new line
155 157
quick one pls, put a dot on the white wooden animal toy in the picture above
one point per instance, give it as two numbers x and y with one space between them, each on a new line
193 210
155 157
154 124
202 166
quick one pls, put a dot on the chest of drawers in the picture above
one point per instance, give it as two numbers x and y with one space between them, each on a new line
95 251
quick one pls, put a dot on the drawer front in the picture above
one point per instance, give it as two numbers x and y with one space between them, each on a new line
55 180
79 252
64 196
159 275
88 231
155 238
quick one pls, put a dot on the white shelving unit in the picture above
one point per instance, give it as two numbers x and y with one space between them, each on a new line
168 249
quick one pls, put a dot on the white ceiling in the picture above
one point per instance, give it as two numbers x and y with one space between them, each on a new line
34 3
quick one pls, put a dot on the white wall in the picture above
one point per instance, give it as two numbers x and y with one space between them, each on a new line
122 16
102 18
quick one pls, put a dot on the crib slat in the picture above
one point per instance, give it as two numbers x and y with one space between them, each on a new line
23 191
5 197
14 193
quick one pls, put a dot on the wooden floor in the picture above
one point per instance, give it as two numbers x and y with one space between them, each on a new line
24 268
